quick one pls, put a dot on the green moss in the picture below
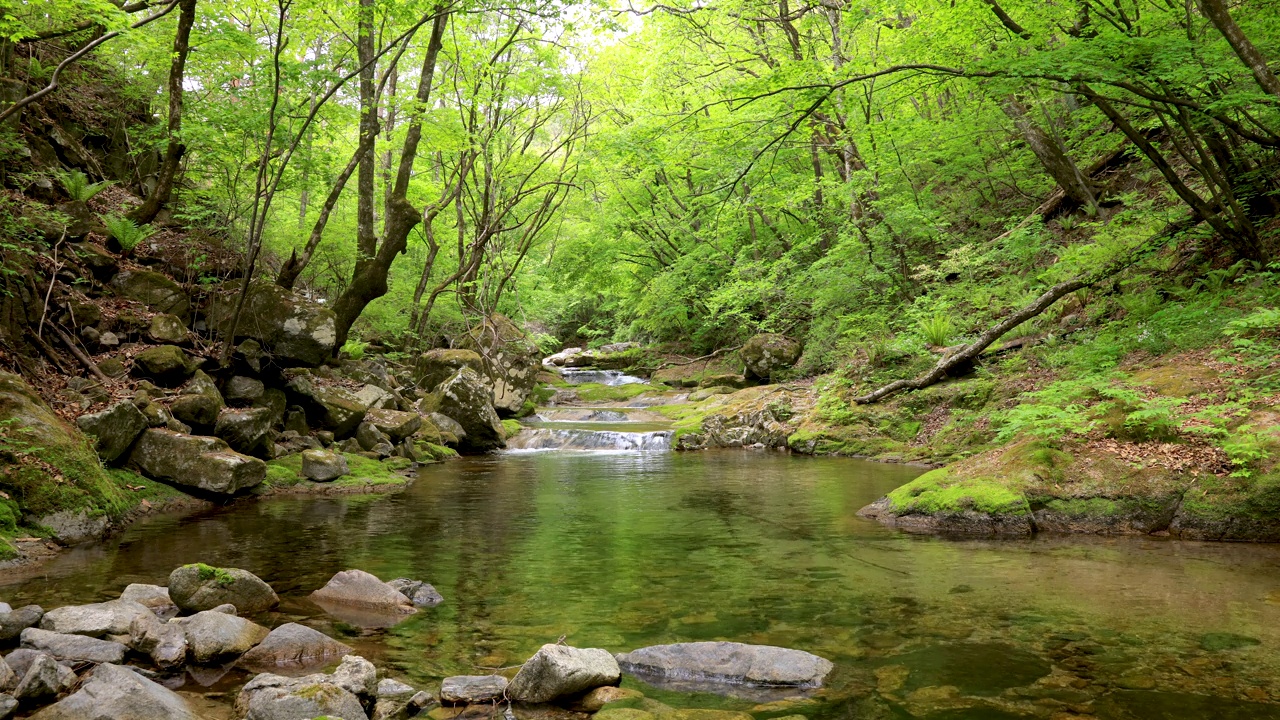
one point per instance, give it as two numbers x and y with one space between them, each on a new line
283 472
7 550
367 471
1085 507
511 427
594 392
941 491
542 393
211 573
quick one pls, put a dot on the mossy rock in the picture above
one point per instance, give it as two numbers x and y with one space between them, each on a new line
511 428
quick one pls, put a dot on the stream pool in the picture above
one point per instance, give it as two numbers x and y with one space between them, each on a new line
622 550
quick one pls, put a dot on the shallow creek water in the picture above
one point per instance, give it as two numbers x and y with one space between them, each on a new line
622 550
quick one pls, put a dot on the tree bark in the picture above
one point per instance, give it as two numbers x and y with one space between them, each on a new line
159 197
366 235
1051 154
1216 11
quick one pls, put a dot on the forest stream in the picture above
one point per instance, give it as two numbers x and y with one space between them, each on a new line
622 549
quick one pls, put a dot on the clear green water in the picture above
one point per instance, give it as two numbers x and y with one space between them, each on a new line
621 551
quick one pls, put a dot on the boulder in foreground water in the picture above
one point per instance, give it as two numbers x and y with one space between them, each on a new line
115 692
204 463
214 636
467 398
296 645
729 663
559 670
469 689
73 648
359 589
199 587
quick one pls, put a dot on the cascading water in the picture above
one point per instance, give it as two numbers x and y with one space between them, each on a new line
602 377
532 439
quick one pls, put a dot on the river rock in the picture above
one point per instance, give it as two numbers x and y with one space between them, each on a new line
199 587
72 527
468 689
8 706
204 463
370 437
358 677
358 588
20 660
154 597
420 593
394 424
165 364
114 429
165 642
448 427
767 354
115 692
293 330
435 366
12 623
324 465
597 699
244 429
155 290
468 399
729 663
392 689
376 398
95 620
243 390
43 679
168 329
75 648
8 678
511 361
199 403
559 670
294 644
214 636
275 697
334 408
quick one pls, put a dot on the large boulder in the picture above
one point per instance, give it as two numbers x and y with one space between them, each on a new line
557 671
293 330
168 329
156 291
114 692
164 642
324 465
165 364
394 424
435 366
199 403
203 463
114 429
199 587
472 689
275 697
44 678
243 390
213 636
357 588
295 645
73 648
767 354
114 617
727 662
467 398
512 361
13 622
331 407
245 429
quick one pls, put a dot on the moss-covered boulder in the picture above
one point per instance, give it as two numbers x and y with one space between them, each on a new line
467 399
767 354
155 290
246 430
114 429
165 364
394 424
168 329
199 587
435 366
295 331
512 361
202 463
327 406
199 403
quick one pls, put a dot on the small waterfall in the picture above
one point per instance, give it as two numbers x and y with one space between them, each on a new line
583 415
535 438
602 377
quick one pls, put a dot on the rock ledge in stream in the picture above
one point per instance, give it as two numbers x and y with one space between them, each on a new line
559 670
200 587
728 662
115 692
295 645
204 463
359 589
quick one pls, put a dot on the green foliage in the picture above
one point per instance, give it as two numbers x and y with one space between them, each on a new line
126 232
1245 449
547 344
354 348
77 184
219 576
936 330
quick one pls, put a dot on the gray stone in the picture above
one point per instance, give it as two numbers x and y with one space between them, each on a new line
244 429
20 660
295 645
114 429
42 680
370 437
168 329
559 670
72 527
374 397
768 354
155 290
729 663
419 593
511 361
392 689
295 331
468 689
333 408
383 450
115 692
8 706
435 366
274 697
214 636
205 463
448 425
95 620
357 676
166 364
243 390
154 597
199 403
467 398
394 424
75 648
165 642
357 588
8 678
323 465
200 587
4 607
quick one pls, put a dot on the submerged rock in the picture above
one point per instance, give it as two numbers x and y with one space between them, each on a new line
468 399
114 693
114 429
75 648
421 594
468 689
296 645
559 670
202 587
359 589
204 463
728 662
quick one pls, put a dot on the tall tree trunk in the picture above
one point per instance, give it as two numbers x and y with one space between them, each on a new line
1216 11
159 197
369 280
366 235
1051 154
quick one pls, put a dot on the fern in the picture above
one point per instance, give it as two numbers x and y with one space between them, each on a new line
354 349
936 330
127 232
77 185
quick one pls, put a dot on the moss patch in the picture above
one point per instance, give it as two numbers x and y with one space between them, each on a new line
595 392
941 491
209 573
367 471
511 427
